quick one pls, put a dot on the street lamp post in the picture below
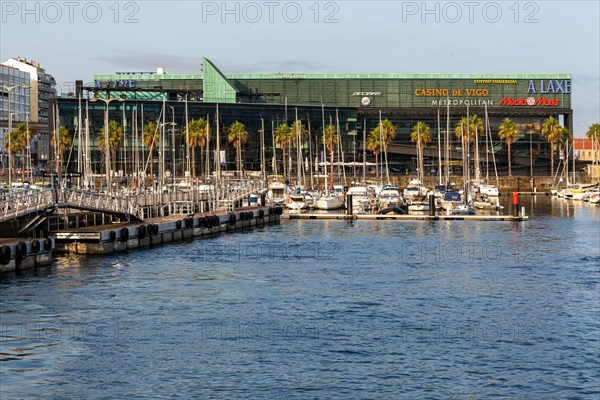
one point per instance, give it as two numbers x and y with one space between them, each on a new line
9 89
106 139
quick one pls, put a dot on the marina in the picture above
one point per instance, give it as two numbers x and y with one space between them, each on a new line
197 202
305 300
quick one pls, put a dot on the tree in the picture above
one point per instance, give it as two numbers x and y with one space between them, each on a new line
374 146
421 135
151 136
282 138
238 136
563 141
295 128
197 133
115 138
385 132
593 134
64 141
466 129
508 132
551 130
330 138
18 141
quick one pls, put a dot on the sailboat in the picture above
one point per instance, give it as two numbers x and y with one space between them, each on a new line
485 189
328 200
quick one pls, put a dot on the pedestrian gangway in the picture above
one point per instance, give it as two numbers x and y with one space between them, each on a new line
19 204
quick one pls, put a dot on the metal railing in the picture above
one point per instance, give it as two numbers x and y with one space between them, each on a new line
20 203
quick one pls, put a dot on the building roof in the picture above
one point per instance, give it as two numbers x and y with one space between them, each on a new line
583 144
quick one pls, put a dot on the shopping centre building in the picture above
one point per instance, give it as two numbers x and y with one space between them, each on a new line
354 102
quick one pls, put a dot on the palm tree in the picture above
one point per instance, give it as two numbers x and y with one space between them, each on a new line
509 132
374 146
330 138
388 131
18 141
197 133
281 138
298 126
551 130
238 136
151 136
64 141
593 134
466 129
385 132
421 135
563 141
115 138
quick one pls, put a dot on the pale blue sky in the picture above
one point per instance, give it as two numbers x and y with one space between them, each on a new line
73 41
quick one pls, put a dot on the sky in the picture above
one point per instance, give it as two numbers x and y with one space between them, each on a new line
77 39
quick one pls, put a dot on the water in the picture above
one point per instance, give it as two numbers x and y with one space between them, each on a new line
319 309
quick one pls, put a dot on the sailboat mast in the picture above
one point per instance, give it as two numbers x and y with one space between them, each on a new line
218 146
380 146
310 159
324 152
331 157
274 161
365 151
447 141
439 148
298 150
262 150
80 159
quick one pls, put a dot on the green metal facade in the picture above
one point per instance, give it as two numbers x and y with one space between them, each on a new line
354 90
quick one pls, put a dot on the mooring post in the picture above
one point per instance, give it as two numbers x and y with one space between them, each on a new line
349 204
515 203
431 205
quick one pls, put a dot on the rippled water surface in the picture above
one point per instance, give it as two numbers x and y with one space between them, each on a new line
319 309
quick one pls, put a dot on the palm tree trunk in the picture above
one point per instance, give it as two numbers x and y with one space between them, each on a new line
284 163
114 160
552 158
151 168
509 162
194 162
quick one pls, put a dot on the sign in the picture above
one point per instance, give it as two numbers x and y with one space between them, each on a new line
529 101
366 94
120 84
549 86
365 101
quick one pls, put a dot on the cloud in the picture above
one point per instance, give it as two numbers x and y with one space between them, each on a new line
146 61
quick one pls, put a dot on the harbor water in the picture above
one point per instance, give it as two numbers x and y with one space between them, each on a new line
319 309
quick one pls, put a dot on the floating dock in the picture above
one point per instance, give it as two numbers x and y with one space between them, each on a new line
106 239
404 217
18 254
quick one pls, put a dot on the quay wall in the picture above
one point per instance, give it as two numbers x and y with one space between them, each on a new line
107 239
20 254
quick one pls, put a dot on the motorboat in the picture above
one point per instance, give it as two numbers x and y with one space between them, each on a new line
484 202
296 201
488 190
390 197
277 193
360 198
